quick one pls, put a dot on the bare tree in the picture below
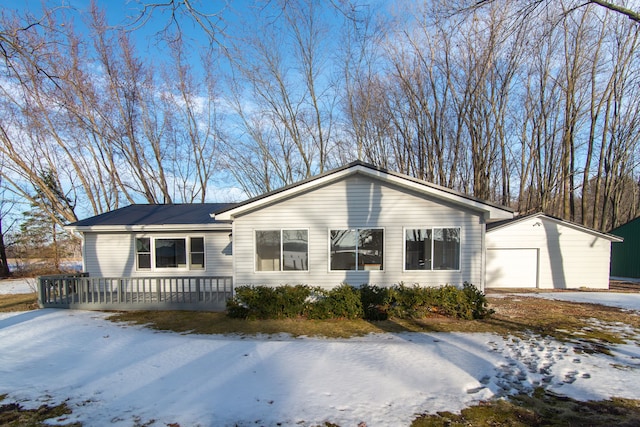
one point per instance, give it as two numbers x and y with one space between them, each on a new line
283 96
531 6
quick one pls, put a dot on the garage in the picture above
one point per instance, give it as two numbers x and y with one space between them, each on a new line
512 268
541 251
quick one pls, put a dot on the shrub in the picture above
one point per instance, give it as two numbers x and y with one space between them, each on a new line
453 302
375 302
342 302
478 301
418 302
265 302
368 301
412 302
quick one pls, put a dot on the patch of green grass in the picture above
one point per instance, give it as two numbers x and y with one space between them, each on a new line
18 302
542 408
14 415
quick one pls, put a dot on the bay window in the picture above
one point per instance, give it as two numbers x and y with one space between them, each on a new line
170 253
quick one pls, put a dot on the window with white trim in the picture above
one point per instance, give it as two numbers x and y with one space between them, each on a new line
143 253
282 250
170 253
196 253
432 248
357 249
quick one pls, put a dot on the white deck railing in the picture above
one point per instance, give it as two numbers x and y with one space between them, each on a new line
80 291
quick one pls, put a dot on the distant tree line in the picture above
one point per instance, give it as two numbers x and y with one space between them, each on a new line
533 107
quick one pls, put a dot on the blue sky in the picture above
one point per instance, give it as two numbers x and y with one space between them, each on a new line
118 13
239 19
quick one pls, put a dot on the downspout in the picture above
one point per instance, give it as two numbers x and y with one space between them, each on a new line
233 256
483 251
83 253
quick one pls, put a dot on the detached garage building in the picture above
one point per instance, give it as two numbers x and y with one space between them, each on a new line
540 251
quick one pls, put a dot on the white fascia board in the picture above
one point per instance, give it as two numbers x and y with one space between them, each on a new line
148 228
493 212
582 228
569 224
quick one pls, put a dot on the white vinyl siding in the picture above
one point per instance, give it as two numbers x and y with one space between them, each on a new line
114 254
358 201
569 257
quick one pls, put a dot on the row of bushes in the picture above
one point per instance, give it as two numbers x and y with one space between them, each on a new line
365 302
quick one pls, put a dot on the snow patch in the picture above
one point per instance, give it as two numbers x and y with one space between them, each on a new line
128 374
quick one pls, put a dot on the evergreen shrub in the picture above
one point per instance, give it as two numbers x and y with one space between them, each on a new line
342 302
266 302
375 301
368 302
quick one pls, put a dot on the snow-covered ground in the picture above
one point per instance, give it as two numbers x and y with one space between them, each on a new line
17 286
627 301
117 374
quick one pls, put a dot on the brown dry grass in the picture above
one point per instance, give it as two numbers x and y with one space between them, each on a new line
566 321
18 302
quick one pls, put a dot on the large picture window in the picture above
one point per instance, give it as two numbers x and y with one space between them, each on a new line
169 253
282 250
432 249
357 249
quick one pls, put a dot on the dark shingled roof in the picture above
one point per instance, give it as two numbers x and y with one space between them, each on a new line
196 213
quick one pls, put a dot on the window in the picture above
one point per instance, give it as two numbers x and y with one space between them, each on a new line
143 253
170 253
357 249
282 250
432 249
197 253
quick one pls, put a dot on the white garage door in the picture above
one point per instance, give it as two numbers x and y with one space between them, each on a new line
512 268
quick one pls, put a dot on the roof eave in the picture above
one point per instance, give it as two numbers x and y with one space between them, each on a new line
147 227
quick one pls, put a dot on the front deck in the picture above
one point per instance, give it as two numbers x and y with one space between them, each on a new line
134 293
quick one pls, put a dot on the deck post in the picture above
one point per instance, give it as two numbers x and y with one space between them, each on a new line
120 291
41 292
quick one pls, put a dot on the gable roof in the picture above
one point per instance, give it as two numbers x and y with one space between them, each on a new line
358 167
496 225
148 217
